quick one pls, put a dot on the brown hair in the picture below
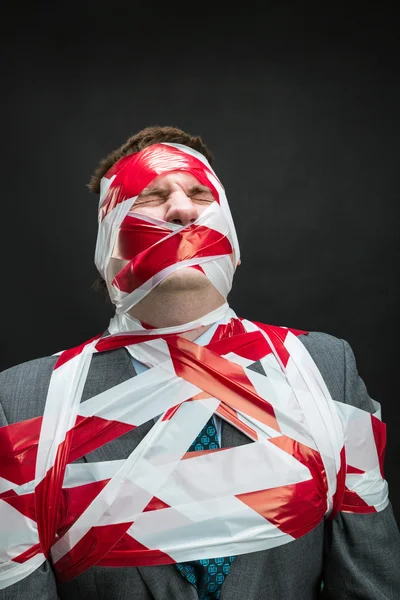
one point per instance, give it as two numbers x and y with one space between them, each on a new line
146 137
154 134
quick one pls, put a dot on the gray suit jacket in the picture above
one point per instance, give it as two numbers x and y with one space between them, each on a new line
356 556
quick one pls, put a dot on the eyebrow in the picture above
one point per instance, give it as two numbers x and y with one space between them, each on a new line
199 188
158 191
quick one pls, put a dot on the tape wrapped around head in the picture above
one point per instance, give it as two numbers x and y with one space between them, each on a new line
134 253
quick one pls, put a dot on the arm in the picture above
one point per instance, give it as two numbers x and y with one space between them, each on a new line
362 551
40 584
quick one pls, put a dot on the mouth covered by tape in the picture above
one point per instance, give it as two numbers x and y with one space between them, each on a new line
310 456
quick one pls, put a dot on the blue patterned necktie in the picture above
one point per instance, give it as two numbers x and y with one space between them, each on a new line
207 575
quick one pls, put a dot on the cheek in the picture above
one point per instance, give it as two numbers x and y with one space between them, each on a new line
202 207
114 267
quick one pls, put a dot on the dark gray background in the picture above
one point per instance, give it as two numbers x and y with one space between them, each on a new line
301 110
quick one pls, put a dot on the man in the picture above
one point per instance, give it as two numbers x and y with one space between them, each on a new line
187 452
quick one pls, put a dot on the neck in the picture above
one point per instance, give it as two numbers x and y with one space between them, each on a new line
170 308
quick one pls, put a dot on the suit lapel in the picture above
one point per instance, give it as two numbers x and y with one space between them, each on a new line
230 436
108 370
166 582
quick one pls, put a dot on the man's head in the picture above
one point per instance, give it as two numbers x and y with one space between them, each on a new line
164 224
146 137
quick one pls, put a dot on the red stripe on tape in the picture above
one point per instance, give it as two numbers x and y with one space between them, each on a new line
221 378
295 509
195 241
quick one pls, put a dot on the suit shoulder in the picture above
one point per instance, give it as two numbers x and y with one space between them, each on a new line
328 353
23 388
28 368
321 342
318 343
315 341
335 359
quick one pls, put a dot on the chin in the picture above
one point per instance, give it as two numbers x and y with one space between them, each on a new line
184 279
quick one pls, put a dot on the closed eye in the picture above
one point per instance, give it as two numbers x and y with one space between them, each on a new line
202 198
201 194
155 196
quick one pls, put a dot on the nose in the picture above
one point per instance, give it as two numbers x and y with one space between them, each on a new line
181 210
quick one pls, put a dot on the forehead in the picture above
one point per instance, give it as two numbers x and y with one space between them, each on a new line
180 178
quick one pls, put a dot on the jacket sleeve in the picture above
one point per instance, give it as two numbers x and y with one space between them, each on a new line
361 551
41 583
